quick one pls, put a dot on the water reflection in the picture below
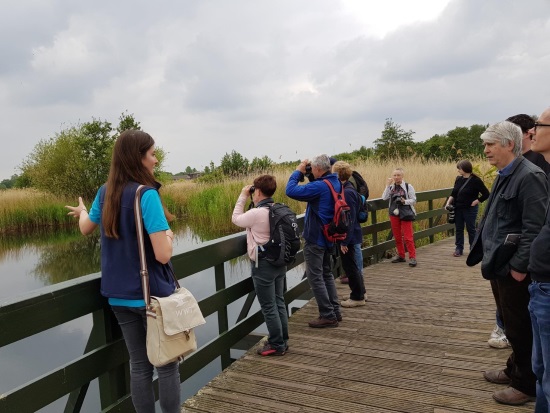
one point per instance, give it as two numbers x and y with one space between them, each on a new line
65 254
30 261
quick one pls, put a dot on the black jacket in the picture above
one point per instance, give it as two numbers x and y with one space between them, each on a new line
471 191
517 205
539 261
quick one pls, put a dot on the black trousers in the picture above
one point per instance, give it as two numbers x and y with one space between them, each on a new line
512 299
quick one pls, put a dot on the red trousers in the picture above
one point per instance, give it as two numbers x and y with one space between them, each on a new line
403 230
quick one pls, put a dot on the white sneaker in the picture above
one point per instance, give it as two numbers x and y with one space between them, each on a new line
498 338
353 303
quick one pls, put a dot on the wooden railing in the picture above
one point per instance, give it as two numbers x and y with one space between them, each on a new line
105 356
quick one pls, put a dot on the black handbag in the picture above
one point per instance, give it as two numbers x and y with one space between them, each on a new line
406 213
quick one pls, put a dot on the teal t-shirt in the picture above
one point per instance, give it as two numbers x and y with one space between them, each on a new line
154 220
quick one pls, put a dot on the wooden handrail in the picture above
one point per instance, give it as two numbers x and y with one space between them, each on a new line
105 354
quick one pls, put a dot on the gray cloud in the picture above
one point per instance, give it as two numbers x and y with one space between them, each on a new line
286 79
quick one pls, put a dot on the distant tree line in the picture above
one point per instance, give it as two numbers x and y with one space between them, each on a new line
76 160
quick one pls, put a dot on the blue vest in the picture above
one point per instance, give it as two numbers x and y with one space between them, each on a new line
120 277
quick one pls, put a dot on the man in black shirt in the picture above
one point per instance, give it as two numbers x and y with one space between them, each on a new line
526 123
539 290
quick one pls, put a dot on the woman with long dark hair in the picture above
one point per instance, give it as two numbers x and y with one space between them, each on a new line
132 164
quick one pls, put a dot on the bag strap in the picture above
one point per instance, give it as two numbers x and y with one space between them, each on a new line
141 249
463 185
144 274
335 195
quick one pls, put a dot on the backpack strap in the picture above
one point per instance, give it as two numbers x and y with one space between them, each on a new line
335 194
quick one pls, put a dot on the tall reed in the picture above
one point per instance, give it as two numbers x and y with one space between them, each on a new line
25 209
207 208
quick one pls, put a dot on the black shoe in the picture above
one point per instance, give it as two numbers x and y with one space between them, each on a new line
398 259
323 322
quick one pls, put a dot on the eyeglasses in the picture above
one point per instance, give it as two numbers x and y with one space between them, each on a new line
540 124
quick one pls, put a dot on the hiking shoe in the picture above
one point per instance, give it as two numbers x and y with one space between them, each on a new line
412 262
352 303
344 279
269 350
338 316
512 397
321 322
398 259
457 253
498 338
496 376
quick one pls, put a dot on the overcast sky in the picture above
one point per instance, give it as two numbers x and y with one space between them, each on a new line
288 78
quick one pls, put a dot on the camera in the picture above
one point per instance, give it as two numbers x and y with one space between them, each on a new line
397 199
308 173
451 215
252 189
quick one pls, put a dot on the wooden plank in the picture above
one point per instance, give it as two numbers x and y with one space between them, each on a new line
419 345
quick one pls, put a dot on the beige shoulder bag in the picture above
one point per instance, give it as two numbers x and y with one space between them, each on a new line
170 320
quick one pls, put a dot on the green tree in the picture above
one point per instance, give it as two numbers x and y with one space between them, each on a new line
127 121
188 170
394 142
261 164
76 161
234 164
458 143
9 183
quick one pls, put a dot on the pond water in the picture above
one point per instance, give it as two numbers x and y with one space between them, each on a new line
30 262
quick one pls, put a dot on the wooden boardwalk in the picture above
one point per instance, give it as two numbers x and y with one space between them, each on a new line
419 345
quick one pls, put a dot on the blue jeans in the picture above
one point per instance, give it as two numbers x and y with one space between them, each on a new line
269 284
539 308
133 324
498 319
358 256
354 274
321 280
465 217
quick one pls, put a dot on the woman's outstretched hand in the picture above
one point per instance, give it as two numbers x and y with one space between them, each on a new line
77 210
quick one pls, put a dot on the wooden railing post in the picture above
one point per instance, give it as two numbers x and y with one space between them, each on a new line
374 220
223 320
115 383
431 220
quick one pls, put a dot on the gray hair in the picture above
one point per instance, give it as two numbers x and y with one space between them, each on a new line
504 132
322 162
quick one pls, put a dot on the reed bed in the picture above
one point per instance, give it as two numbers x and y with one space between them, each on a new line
27 209
207 207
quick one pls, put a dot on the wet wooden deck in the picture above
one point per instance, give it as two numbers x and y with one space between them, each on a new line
419 345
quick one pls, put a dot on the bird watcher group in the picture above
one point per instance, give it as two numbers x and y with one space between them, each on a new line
511 241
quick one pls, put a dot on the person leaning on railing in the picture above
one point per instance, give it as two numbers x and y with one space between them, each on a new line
132 164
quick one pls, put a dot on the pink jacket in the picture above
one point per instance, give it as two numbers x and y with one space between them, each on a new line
256 222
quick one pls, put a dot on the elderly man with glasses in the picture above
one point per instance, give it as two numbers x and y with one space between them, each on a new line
539 290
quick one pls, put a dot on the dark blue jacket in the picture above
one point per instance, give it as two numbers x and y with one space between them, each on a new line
320 204
352 199
120 266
